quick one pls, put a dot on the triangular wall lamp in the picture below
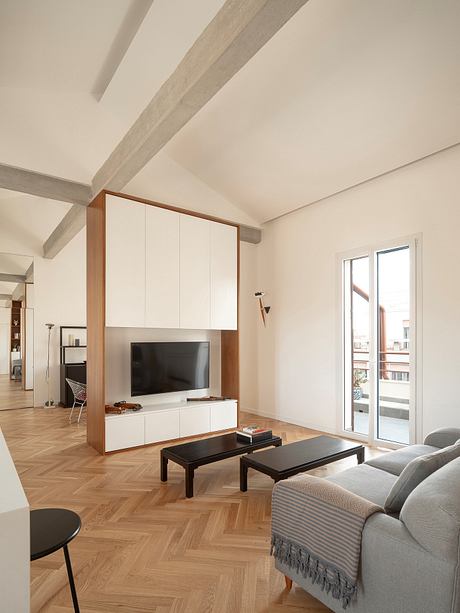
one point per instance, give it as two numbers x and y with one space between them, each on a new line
264 310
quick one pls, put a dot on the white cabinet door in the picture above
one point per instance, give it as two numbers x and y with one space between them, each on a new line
125 263
224 276
161 268
124 432
194 272
223 416
194 420
161 426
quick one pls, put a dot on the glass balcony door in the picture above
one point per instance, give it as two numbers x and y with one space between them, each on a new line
378 350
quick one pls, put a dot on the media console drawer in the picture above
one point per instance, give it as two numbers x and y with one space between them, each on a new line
194 420
161 426
121 433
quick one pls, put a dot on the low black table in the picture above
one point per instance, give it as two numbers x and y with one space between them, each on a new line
208 450
298 457
50 530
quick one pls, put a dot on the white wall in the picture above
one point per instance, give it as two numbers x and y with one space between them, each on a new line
297 265
118 362
60 298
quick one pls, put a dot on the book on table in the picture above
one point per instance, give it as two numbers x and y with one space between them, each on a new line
252 434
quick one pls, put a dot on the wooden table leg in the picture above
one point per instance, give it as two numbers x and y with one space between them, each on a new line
360 455
189 474
71 581
164 468
243 475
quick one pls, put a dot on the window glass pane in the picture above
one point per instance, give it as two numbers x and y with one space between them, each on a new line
356 345
393 344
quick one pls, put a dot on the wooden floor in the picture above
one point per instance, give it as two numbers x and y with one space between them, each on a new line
12 396
143 546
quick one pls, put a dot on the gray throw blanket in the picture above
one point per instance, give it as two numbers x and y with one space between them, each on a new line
316 529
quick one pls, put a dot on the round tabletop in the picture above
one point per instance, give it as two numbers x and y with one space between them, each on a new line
51 529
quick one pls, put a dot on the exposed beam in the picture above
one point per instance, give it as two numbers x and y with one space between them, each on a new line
248 234
64 232
5 296
9 278
30 274
45 186
230 40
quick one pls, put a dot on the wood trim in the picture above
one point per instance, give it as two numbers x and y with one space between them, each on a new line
170 207
230 350
96 323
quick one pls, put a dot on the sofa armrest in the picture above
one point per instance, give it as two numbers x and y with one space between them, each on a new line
443 437
396 574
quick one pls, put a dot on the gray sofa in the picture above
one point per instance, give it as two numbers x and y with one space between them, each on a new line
410 562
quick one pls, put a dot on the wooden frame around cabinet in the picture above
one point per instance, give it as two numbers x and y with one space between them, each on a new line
95 250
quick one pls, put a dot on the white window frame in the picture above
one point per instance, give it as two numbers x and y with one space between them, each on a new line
416 388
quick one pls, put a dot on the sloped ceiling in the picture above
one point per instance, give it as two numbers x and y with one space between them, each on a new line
344 92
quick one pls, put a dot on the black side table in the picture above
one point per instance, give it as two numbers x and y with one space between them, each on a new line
50 530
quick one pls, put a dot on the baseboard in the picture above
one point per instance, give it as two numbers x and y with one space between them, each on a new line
292 420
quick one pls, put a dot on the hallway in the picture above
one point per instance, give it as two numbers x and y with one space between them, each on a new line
12 396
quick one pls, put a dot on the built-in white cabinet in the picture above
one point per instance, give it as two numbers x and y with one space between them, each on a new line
166 269
195 420
194 273
123 433
158 423
162 426
223 276
223 415
161 268
125 263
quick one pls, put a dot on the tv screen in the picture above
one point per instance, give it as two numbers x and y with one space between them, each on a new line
157 368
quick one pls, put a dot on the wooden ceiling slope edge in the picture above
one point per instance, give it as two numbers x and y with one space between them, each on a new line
95 283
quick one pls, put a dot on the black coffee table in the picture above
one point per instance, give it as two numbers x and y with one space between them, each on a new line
205 451
298 457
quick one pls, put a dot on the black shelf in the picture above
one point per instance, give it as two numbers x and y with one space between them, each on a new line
73 346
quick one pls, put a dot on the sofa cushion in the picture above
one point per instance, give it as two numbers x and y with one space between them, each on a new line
394 462
431 512
417 471
366 481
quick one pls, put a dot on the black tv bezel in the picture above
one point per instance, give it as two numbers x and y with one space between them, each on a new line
208 343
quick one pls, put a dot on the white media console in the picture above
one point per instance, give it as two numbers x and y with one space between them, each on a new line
163 422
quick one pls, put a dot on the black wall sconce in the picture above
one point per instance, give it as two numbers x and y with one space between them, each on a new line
264 310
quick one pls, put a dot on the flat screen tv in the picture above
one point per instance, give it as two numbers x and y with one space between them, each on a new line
158 368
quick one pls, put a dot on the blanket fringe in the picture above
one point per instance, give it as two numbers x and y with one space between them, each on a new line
331 580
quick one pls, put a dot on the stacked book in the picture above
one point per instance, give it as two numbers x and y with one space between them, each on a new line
253 434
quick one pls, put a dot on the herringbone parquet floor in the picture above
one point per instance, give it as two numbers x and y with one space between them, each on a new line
143 546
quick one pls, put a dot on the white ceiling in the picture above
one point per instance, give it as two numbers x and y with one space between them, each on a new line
62 45
15 264
27 221
345 91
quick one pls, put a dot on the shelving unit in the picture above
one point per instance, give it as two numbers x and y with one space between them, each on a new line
150 265
69 370
15 347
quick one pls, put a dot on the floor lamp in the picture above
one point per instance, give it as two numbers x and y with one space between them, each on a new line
49 402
